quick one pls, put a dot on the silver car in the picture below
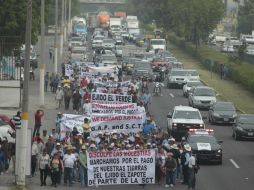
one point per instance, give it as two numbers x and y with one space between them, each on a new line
202 97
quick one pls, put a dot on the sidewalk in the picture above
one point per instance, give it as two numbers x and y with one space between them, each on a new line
228 90
7 180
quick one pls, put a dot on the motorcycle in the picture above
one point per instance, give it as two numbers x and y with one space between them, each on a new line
157 89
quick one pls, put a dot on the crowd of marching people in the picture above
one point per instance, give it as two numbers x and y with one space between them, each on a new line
65 157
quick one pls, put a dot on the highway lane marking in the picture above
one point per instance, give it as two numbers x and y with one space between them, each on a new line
172 95
234 163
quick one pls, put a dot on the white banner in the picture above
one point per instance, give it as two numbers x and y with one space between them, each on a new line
130 124
121 167
114 109
68 70
69 121
102 70
110 98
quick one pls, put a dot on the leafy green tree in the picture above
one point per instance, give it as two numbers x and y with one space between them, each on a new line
246 17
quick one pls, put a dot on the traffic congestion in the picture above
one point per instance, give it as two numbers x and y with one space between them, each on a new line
129 112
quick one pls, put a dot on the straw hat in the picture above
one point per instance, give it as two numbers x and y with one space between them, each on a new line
92 146
174 146
83 147
69 147
187 147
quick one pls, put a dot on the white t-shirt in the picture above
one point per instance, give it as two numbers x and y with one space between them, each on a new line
69 160
192 162
43 160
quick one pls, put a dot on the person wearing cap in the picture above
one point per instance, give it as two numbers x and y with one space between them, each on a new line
176 155
185 156
43 166
49 145
148 127
58 149
170 167
82 160
69 161
92 147
59 97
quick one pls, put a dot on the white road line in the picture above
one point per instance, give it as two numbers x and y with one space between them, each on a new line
172 95
234 163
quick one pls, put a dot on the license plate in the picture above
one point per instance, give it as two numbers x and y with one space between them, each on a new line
250 134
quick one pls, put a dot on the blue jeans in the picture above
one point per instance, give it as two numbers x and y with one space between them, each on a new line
83 175
191 178
170 177
68 175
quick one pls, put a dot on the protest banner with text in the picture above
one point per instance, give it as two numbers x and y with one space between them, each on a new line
114 109
121 167
110 98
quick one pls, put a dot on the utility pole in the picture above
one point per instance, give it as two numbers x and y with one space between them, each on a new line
65 20
22 132
56 33
62 30
42 64
69 18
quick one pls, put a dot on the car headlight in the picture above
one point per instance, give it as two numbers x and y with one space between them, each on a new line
239 128
175 124
201 125
216 114
219 151
234 115
196 100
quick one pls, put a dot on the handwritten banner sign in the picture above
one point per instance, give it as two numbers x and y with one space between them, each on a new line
121 167
120 123
114 109
110 98
68 70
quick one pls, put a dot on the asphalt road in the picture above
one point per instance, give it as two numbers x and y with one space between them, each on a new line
235 173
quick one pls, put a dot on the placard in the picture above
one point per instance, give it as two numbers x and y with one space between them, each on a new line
114 109
121 167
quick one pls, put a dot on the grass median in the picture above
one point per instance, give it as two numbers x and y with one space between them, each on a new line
228 90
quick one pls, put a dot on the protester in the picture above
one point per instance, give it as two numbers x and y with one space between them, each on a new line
37 147
44 167
83 167
56 166
191 172
17 120
69 161
170 166
59 97
46 81
37 120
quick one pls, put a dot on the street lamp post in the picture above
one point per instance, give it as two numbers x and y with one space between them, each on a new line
62 30
55 40
42 64
21 134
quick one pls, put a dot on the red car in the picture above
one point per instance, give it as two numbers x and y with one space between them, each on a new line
7 120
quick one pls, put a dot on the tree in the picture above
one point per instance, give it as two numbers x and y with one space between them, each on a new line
246 17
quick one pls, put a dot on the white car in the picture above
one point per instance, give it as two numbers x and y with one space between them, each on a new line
5 131
202 97
189 84
182 119
228 48
97 41
108 44
78 54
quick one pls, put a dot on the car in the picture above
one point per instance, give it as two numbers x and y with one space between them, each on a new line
244 127
143 69
128 64
5 131
7 120
193 74
148 56
182 119
78 54
170 59
202 97
33 59
119 51
108 59
222 112
108 44
189 84
204 145
177 78
97 42
119 40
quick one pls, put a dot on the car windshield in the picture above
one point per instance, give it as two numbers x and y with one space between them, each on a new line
194 83
224 107
186 115
77 51
193 73
157 42
76 39
178 73
171 59
202 139
246 119
108 41
109 58
204 92
142 65
80 26
99 38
